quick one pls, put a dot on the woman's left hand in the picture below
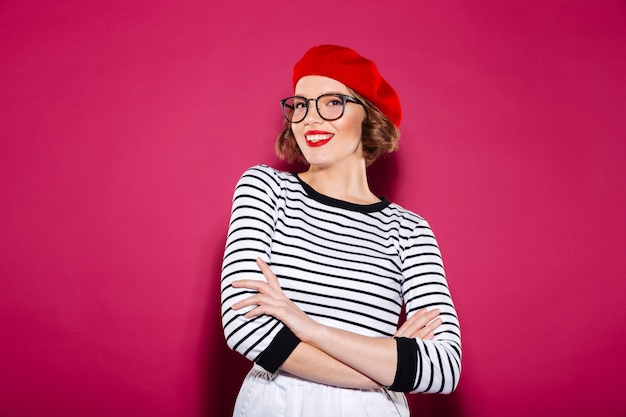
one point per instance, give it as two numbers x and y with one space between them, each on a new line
272 301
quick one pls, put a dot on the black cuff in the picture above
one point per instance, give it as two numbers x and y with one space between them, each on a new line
407 365
278 351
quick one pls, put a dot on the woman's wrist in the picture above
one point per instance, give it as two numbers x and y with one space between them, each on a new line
315 333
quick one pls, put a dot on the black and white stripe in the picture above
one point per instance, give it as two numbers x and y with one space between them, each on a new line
346 265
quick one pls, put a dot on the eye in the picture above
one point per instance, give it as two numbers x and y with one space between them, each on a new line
333 101
299 103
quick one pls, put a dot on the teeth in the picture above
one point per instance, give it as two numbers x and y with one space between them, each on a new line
317 138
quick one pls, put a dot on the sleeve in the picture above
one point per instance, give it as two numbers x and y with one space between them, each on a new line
429 366
262 339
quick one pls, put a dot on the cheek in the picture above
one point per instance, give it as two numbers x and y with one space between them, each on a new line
298 140
354 125
296 130
354 130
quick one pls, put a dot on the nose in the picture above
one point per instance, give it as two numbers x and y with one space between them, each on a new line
312 115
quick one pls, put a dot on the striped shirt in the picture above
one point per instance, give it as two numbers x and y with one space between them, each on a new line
346 265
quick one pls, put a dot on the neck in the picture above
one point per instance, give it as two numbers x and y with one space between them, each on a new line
343 184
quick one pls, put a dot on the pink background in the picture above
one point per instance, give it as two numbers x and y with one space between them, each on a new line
125 125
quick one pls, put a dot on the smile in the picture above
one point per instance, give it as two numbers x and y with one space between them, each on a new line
318 139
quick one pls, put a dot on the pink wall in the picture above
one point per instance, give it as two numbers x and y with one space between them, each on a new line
125 126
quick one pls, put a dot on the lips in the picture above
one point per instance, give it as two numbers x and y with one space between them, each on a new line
315 138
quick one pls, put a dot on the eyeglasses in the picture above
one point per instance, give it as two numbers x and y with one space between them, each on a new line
329 106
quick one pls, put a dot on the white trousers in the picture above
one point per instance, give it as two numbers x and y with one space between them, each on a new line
285 395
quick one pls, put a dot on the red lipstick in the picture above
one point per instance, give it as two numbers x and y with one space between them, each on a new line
317 138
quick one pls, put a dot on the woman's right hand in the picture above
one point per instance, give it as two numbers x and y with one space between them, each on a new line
421 325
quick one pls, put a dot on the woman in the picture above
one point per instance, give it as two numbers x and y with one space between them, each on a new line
317 268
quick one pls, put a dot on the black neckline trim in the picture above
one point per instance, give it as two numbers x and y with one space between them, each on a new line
334 202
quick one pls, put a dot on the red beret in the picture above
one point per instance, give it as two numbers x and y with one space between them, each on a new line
358 73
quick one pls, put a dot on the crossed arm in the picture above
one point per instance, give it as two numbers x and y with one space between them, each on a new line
428 362
330 355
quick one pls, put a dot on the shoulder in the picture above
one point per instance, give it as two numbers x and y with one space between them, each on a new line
264 177
414 230
264 173
407 218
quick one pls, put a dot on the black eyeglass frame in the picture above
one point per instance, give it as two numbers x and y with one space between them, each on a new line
344 98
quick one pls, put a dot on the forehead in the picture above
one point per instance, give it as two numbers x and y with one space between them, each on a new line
314 85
